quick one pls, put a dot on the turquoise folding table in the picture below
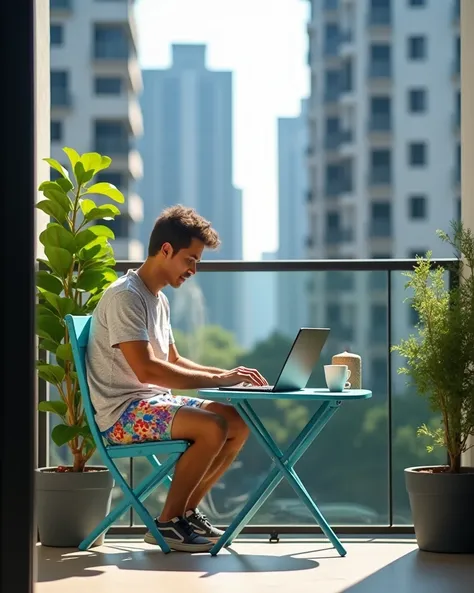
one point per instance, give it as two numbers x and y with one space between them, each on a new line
283 462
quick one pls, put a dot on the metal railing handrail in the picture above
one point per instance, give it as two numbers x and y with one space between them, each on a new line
303 265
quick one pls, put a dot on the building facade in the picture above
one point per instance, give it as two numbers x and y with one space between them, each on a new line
383 156
187 154
95 85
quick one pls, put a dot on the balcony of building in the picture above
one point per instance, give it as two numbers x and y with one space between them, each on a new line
61 6
365 500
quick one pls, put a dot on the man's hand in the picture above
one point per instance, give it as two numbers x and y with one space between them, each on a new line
240 375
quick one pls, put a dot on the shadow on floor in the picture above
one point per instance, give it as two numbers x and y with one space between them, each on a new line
421 572
55 564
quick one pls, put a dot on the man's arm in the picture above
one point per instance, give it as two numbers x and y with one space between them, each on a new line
175 358
148 369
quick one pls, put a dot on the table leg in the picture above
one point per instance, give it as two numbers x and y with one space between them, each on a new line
296 450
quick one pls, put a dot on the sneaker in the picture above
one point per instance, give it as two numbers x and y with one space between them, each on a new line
180 536
202 526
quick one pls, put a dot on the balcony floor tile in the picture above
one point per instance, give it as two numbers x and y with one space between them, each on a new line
372 565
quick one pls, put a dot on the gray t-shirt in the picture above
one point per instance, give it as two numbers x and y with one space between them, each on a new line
127 311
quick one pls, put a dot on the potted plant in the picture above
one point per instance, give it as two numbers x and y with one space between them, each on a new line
78 265
440 362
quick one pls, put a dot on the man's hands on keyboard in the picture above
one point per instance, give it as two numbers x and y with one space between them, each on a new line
240 375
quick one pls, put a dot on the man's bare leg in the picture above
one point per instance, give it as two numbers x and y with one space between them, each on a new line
237 435
209 435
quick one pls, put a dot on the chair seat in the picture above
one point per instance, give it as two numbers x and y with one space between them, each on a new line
148 448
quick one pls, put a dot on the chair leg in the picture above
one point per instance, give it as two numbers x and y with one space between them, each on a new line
133 498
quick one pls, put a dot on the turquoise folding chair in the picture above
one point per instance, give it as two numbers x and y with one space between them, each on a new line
78 327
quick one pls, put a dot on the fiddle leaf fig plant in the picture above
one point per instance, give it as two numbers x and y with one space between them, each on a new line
77 267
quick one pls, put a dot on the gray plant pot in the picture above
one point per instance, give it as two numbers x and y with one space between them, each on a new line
70 504
442 509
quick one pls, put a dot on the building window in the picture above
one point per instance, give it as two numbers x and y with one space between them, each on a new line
56 34
380 60
111 42
417 154
380 114
108 85
417 207
56 131
414 253
380 166
417 100
111 137
417 3
417 47
60 96
380 220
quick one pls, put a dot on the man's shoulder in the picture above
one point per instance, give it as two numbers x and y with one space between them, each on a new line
123 289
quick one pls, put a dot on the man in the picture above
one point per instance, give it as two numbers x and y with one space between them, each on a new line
133 364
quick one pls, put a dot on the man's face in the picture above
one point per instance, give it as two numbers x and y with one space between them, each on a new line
182 265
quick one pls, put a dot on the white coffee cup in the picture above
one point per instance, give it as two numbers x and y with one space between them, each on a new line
337 376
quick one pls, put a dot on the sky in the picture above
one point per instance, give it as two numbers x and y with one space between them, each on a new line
264 42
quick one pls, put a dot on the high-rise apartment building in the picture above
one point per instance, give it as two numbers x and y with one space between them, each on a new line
95 84
187 155
293 194
383 156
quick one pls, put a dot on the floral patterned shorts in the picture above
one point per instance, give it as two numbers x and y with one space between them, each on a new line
148 419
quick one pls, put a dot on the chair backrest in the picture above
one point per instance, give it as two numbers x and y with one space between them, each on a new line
79 327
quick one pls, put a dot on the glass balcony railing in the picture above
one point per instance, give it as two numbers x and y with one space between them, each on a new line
60 97
112 146
60 4
111 51
380 175
381 69
338 236
380 122
362 453
381 228
380 15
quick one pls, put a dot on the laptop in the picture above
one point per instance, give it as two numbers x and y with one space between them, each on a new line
298 366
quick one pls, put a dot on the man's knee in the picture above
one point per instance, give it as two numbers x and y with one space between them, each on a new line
216 428
238 429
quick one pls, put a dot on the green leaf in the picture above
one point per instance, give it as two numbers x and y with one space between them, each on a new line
55 235
90 252
48 345
64 352
92 302
44 262
72 155
91 233
63 305
80 173
55 406
50 328
62 434
52 373
60 198
55 165
48 282
95 161
53 209
106 212
87 205
64 184
107 189
90 279
61 259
